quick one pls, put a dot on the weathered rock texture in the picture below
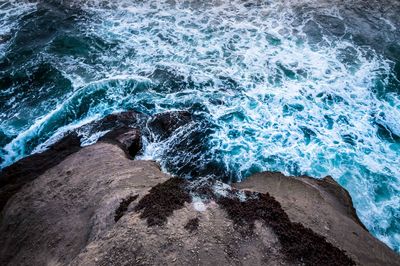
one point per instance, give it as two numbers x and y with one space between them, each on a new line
13 177
128 139
326 208
53 218
99 207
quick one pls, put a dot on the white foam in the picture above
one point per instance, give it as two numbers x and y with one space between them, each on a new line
221 189
198 204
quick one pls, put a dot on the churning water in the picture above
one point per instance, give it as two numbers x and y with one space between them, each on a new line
273 86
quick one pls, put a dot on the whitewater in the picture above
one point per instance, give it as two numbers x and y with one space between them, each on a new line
273 85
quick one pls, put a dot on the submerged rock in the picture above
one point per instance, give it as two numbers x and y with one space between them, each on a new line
98 207
116 120
164 124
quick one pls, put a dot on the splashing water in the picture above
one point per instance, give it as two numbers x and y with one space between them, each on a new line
270 89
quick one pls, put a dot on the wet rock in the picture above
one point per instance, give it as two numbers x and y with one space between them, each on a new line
164 124
129 139
162 201
120 119
127 119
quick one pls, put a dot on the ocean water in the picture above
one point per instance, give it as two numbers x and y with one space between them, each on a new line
302 87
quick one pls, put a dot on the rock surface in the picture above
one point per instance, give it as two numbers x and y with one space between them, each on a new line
326 208
124 129
99 207
129 139
13 177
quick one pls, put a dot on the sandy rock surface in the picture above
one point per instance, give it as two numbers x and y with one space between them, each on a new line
326 208
90 210
51 219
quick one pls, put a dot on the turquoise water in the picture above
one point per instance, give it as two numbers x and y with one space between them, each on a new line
268 91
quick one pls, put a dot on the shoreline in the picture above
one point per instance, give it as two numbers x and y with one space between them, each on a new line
74 197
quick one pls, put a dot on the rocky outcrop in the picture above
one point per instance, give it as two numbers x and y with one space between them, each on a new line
130 119
13 177
53 218
128 139
164 124
326 208
99 207
123 129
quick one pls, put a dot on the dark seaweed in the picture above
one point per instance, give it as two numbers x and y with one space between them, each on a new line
192 224
162 200
299 244
123 207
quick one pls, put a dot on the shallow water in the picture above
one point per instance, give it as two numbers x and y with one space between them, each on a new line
303 89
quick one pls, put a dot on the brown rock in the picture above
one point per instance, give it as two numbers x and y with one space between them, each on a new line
321 204
93 208
13 177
